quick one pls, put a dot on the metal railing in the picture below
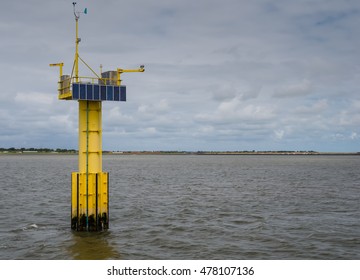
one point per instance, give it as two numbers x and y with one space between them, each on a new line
66 82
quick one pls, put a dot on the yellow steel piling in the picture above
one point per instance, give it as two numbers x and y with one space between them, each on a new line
90 185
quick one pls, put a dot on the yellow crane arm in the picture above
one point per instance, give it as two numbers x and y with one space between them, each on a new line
60 65
120 71
140 69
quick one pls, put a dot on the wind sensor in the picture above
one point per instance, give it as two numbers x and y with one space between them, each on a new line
77 14
90 185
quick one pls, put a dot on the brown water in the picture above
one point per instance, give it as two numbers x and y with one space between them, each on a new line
187 207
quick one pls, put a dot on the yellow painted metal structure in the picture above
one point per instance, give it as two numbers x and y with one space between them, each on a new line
120 71
90 195
90 185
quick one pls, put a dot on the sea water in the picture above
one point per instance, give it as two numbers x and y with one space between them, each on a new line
187 207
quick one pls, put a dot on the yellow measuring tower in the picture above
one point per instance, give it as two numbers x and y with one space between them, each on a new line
90 185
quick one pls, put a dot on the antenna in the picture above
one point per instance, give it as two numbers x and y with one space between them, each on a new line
77 13
77 41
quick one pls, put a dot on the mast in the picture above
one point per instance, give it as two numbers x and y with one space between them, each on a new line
90 185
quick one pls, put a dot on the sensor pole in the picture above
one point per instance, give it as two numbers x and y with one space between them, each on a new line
90 185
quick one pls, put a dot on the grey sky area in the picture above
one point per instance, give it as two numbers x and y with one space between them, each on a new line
220 75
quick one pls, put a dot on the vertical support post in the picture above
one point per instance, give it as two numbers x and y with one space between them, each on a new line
118 80
89 209
90 136
89 203
77 40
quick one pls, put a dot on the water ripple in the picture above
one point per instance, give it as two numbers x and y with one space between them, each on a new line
187 207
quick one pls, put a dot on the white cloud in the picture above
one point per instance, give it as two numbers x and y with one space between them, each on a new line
158 108
235 111
35 98
294 90
239 74
354 136
316 107
279 134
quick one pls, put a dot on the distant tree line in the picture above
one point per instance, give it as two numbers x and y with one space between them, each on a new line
39 150
256 152
250 152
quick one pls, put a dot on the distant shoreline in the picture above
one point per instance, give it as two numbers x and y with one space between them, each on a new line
203 153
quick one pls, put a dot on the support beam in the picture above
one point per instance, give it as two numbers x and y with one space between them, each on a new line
90 136
89 194
89 201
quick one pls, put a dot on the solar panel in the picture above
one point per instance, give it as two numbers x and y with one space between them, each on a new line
94 92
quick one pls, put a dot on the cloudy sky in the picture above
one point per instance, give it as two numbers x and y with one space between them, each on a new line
220 75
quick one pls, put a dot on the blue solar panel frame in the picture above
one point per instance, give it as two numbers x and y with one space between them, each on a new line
94 92
83 91
89 92
122 93
76 91
110 93
103 92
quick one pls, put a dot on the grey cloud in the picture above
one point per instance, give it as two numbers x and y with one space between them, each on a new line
240 74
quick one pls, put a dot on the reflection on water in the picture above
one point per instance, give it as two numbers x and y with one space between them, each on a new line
92 246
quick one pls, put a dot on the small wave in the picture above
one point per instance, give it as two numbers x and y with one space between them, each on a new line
25 228
29 227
